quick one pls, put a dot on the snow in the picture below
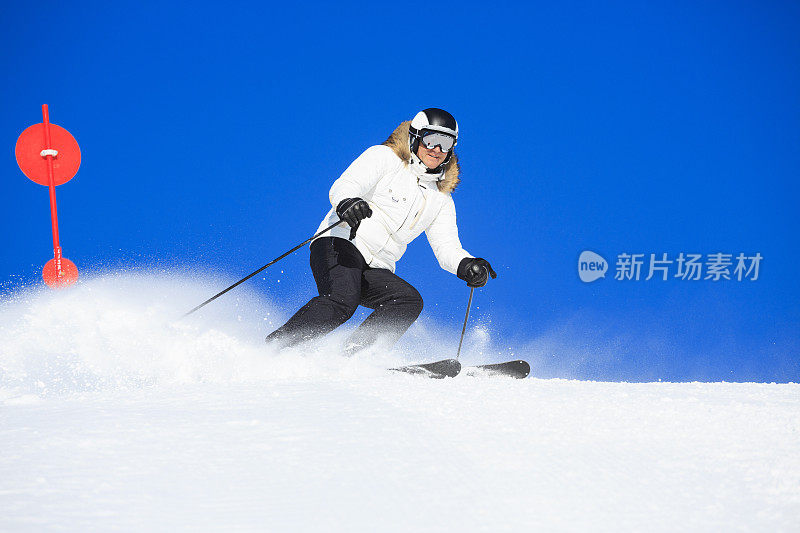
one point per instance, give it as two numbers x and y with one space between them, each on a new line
116 415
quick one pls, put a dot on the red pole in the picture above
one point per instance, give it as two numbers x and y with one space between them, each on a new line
48 155
52 186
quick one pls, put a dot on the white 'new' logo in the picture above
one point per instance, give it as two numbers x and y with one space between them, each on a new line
591 266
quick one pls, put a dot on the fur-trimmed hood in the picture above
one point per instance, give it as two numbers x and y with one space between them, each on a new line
398 142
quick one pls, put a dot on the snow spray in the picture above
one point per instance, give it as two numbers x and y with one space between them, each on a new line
122 330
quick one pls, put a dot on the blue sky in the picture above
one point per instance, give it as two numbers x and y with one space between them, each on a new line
211 134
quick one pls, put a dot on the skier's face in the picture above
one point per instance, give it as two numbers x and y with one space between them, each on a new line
431 158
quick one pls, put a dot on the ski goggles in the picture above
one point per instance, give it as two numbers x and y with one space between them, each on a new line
432 139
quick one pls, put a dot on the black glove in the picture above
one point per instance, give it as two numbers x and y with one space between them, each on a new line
475 271
353 211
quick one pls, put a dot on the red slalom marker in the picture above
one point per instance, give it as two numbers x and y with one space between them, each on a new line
49 155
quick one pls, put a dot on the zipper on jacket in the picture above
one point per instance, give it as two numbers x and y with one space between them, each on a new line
421 209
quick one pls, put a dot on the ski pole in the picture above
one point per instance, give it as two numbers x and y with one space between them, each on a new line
262 268
469 304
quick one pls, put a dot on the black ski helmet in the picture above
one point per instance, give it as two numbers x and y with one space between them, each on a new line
432 119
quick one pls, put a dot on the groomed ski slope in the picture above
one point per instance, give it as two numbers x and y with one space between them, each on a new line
124 418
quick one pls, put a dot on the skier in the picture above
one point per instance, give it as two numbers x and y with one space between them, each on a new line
388 196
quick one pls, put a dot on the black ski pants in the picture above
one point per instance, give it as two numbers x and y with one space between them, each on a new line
345 281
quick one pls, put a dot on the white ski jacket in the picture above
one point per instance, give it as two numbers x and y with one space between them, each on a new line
405 201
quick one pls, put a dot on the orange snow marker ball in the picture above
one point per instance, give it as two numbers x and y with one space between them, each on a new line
58 279
49 155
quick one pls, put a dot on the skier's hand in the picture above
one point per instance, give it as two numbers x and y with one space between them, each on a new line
475 271
353 211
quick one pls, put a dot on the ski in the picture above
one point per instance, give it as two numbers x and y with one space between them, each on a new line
513 369
438 370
